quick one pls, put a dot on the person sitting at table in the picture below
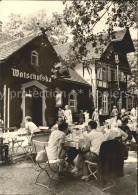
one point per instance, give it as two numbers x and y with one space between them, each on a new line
90 150
123 126
55 149
30 127
115 132
55 127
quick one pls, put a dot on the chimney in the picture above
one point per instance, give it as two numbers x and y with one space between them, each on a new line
0 26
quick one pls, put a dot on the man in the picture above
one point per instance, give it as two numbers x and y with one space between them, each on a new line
55 127
90 150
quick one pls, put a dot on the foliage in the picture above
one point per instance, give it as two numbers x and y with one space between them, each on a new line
82 17
132 58
60 69
19 26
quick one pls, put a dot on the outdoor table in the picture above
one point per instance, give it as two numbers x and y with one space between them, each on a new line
75 143
13 136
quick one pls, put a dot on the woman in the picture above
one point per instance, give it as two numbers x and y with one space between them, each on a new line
87 116
115 132
30 127
95 116
68 115
60 113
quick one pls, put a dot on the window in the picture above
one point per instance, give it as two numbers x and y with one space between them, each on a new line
131 103
104 74
105 103
113 75
72 101
34 58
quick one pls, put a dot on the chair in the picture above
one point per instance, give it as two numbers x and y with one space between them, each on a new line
93 169
110 162
50 167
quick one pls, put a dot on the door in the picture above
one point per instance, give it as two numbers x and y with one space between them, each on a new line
33 105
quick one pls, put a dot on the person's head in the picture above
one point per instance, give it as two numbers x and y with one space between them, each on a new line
60 119
81 111
86 110
92 125
66 107
63 126
96 110
114 107
27 119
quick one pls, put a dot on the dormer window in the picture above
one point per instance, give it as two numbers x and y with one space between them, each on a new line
34 58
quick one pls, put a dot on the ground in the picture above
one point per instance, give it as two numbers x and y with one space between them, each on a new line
19 178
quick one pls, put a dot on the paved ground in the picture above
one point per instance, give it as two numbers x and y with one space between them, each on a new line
19 179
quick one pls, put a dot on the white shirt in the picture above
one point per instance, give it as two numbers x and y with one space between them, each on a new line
52 149
96 138
31 126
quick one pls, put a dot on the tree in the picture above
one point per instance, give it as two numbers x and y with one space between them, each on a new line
133 79
19 26
83 16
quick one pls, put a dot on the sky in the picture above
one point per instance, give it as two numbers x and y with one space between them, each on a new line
29 7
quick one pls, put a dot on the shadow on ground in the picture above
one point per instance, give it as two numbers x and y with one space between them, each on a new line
20 178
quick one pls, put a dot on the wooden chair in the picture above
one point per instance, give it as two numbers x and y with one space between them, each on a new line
50 167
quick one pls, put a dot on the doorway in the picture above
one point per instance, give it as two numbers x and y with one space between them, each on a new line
34 102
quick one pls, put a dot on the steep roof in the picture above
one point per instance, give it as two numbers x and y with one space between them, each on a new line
75 77
7 49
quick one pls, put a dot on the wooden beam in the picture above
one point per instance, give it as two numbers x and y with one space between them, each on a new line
4 107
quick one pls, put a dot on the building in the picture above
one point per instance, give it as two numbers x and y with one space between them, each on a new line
26 85
107 73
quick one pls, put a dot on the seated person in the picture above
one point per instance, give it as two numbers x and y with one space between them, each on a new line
55 149
90 150
30 127
123 126
55 127
115 132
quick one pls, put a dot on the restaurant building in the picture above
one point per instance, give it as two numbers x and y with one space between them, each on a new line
27 88
107 73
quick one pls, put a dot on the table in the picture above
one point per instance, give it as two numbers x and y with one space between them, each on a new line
75 143
14 139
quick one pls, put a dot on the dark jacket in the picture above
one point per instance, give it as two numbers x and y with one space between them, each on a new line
111 159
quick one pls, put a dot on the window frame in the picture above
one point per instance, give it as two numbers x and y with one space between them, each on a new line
34 54
74 94
105 104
